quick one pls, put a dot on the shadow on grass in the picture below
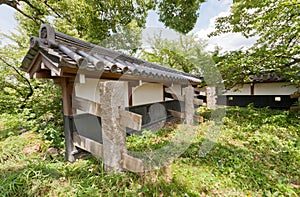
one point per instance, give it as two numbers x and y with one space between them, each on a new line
85 177
273 170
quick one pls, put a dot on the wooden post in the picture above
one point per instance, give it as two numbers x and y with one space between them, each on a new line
113 133
189 104
68 119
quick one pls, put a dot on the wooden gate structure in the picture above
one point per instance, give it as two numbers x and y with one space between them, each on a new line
73 64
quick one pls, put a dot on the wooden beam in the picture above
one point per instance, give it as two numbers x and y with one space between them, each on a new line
294 108
87 106
51 65
295 95
174 96
198 118
252 89
68 123
202 89
131 163
130 120
43 67
198 101
57 81
116 76
87 144
200 94
35 66
42 74
56 73
66 94
176 113
133 83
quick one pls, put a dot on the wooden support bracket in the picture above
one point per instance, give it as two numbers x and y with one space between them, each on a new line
198 101
68 123
203 89
130 120
176 114
198 118
175 96
87 144
87 106
182 115
131 163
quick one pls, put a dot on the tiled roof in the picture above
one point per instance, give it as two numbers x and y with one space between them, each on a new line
66 51
268 77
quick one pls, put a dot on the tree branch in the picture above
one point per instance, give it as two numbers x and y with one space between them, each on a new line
18 72
14 5
33 7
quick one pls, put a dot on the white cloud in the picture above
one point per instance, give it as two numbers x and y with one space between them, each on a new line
226 2
228 41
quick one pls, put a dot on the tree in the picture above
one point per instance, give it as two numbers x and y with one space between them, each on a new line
188 54
179 15
277 24
15 88
95 20
178 53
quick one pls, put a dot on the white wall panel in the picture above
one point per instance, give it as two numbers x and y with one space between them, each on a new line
278 88
90 91
147 93
240 90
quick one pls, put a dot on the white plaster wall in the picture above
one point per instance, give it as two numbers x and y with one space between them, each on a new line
241 90
275 88
90 91
147 93
278 88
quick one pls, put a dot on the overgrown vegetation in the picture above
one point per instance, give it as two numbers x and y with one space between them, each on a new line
258 154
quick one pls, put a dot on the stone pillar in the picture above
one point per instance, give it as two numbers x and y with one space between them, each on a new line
189 109
113 134
211 97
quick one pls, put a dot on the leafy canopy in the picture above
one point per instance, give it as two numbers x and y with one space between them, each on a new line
185 53
96 20
277 25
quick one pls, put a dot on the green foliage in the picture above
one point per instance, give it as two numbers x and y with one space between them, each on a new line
27 105
276 24
127 39
15 88
96 20
149 140
180 15
186 53
257 155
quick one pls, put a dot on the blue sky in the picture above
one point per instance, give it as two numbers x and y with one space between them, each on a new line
209 10
7 22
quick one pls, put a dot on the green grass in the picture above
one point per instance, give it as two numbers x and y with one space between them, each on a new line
257 154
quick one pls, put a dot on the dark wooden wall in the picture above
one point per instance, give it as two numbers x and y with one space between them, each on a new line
258 101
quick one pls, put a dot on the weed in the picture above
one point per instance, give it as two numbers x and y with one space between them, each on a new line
257 154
